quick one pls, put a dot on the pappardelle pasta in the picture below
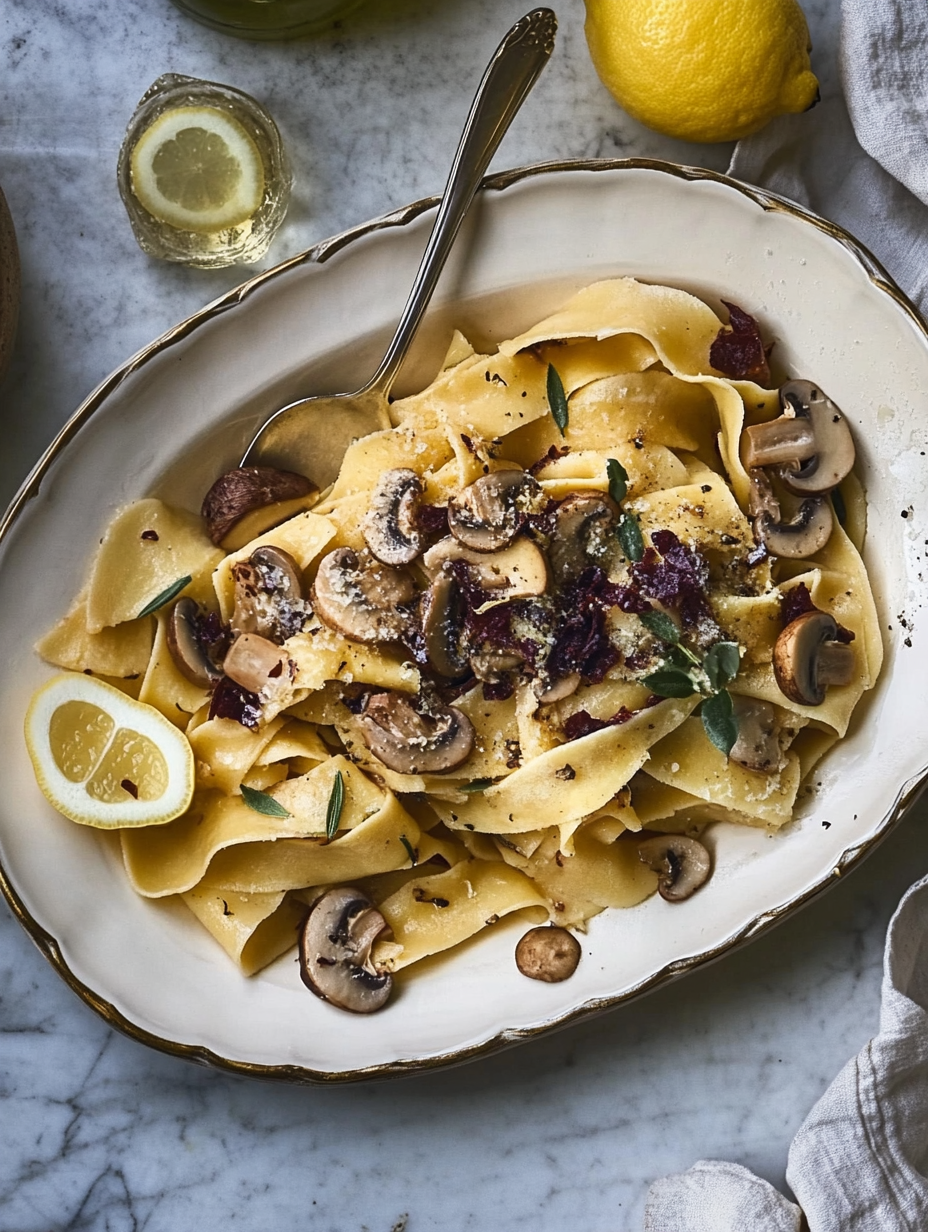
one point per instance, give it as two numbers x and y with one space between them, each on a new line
588 595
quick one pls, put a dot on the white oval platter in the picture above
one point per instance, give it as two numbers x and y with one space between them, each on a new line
178 413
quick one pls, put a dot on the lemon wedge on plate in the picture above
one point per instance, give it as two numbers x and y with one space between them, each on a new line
104 759
196 168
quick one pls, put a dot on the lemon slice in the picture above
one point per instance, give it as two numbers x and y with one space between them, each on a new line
197 168
105 760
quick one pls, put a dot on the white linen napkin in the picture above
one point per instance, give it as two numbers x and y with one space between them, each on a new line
859 1163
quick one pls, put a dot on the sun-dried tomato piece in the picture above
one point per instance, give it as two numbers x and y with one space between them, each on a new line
738 351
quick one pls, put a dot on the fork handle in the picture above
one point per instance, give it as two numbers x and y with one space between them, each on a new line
510 75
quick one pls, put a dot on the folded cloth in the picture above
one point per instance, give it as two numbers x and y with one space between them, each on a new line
841 159
859 1160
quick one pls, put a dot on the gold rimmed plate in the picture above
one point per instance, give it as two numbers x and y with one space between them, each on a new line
179 412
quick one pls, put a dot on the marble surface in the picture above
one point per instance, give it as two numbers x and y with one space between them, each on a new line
99 1133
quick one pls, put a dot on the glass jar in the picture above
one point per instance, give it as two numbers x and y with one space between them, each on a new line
211 108
267 19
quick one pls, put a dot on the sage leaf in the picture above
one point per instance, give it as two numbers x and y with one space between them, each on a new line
718 720
721 664
261 802
661 626
476 785
336 803
618 480
671 682
557 399
628 533
410 850
165 597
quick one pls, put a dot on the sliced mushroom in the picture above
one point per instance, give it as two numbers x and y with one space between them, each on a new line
335 952
807 658
258 665
516 572
682 864
548 953
582 532
442 618
803 535
810 443
488 514
413 739
247 488
758 744
357 596
269 595
834 445
389 527
188 652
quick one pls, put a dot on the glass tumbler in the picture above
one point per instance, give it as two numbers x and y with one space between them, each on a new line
195 115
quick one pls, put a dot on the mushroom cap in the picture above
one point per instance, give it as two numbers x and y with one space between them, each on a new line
335 951
488 514
548 953
411 739
357 596
682 864
582 527
190 657
834 445
800 654
389 526
268 597
803 535
246 488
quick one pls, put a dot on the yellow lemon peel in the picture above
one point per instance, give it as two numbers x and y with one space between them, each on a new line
703 70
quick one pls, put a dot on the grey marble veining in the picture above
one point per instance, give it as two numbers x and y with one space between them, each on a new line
98 1133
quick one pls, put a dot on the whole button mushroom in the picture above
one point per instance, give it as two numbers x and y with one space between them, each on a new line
681 863
389 527
548 953
335 952
488 514
807 658
810 443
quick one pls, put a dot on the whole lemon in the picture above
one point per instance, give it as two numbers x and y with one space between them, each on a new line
703 70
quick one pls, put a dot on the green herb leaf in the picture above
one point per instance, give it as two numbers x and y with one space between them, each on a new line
557 399
477 785
410 850
671 682
165 597
261 802
628 533
336 803
661 626
618 480
721 664
718 719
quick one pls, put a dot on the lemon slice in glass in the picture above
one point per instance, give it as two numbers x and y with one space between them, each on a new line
196 168
105 760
